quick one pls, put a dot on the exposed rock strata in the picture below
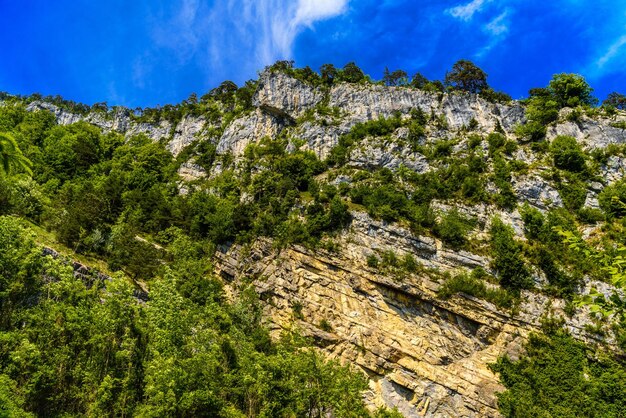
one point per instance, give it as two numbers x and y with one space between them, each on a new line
425 355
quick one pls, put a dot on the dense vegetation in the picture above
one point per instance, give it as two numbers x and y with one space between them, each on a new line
67 347
89 346
560 377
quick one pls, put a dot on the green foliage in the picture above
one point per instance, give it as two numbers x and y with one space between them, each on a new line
351 73
20 269
131 253
395 78
466 76
502 179
507 260
11 157
610 263
571 90
498 143
69 151
573 191
372 260
377 128
453 229
543 105
11 403
69 347
568 154
493 96
612 199
615 100
474 285
559 377
563 269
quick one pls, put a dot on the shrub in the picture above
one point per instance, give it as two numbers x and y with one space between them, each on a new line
474 141
573 192
324 325
496 141
409 263
453 229
372 260
502 179
567 154
389 259
533 222
473 285
612 199
507 260
559 376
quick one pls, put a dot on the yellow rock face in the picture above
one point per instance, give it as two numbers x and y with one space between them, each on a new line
425 355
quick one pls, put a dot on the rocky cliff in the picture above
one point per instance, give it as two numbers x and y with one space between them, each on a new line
426 355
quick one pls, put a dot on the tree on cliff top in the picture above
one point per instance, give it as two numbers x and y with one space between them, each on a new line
466 76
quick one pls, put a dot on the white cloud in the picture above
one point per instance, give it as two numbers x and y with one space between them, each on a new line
248 33
310 11
614 50
499 25
280 25
465 12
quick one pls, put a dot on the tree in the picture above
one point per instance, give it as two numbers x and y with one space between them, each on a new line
511 270
328 73
616 100
395 78
567 154
352 73
418 81
466 76
610 263
11 157
571 90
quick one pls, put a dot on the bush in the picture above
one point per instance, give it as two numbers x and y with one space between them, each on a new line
473 285
612 199
502 179
560 377
453 229
571 90
567 154
496 141
507 260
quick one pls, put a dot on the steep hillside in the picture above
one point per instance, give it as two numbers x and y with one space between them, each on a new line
419 235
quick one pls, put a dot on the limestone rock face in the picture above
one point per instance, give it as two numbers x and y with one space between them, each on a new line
537 192
185 132
425 355
595 133
284 96
246 130
120 121
391 156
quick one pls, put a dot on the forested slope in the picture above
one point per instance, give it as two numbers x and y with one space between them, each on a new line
415 231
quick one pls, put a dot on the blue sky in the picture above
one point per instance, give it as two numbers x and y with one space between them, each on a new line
148 52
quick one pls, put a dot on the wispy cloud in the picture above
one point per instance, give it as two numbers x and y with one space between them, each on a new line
499 25
467 11
243 34
610 60
497 29
614 50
